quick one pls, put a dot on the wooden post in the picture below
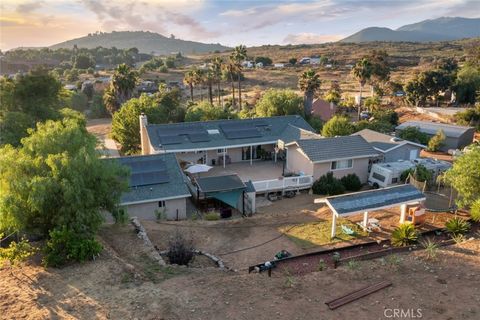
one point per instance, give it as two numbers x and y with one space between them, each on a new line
224 152
251 155
403 212
365 220
334 225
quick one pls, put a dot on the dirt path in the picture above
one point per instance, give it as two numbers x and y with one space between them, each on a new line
101 128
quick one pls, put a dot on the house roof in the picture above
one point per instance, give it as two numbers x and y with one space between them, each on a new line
322 108
353 203
160 178
433 127
204 135
331 149
220 183
383 142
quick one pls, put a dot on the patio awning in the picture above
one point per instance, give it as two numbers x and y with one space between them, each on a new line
228 197
220 183
353 203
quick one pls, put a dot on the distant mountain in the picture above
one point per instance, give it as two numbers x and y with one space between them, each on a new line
441 29
145 41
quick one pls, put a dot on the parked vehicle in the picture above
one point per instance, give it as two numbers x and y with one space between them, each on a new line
387 174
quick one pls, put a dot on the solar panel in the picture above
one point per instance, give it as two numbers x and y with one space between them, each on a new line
201 137
171 139
242 134
148 178
147 166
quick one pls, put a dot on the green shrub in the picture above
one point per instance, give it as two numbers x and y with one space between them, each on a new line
351 182
16 252
163 69
404 235
431 249
437 141
98 109
66 245
161 214
212 216
180 250
457 226
120 216
414 134
328 185
475 211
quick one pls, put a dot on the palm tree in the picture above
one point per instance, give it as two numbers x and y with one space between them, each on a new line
121 87
200 80
209 79
309 83
362 72
189 80
239 54
217 64
231 68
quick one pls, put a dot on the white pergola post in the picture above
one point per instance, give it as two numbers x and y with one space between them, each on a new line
403 212
251 155
365 220
334 225
224 154
206 157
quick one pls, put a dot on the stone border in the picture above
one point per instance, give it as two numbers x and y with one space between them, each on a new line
218 261
142 234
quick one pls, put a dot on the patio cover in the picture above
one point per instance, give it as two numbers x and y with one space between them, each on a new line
227 188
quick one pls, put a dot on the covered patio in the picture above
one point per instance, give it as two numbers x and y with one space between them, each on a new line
256 171
372 200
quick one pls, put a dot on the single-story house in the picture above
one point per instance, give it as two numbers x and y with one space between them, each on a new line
340 155
323 109
156 184
457 137
390 147
222 142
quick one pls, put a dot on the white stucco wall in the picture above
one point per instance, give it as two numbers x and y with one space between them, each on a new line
297 162
147 210
360 168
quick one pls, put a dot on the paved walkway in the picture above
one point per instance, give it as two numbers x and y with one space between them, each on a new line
110 148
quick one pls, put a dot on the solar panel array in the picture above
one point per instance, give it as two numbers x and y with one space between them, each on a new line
170 136
147 172
243 130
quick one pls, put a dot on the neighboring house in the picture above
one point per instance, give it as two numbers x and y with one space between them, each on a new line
323 109
457 137
156 184
340 155
391 148
146 87
223 141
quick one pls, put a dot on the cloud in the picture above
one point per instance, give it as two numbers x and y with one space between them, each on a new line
28 7
311 38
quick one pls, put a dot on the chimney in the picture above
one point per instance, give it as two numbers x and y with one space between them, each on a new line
143 120
144 142
331 105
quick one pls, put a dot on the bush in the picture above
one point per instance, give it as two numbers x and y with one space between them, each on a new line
475 211
98 109
457 226
414 134
163 69
338 126
212 216
16 252
180 250
66 246
79 101
437 141
351 182
161 214
404 235
328 185
120 216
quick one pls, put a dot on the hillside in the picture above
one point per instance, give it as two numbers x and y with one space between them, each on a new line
145 41
440 29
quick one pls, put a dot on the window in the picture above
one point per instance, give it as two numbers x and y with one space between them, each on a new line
394 180
220 151
342 164
161 204
378 176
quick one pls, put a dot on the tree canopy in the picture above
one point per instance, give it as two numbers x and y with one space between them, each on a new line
205 111
121 87
276 102
338 126
415 135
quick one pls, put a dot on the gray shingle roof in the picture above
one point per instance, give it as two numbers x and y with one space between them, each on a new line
374 199
220 183
175 187
381 141
285 128
328 149
432 128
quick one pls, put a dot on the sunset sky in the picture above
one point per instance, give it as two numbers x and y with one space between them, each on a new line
46 22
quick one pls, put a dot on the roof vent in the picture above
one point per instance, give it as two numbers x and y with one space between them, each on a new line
395 139
213 131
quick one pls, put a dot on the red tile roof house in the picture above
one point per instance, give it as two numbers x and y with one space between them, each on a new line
323 109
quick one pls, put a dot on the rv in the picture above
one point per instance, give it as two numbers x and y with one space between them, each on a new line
386 174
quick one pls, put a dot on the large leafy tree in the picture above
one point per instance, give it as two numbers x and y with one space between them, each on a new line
334 94
416 91
161 108
380 70
464 176
309 83
205 111
362 71
279 103
121 87
338 126
58 180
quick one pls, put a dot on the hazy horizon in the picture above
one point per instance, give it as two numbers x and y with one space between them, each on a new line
26 23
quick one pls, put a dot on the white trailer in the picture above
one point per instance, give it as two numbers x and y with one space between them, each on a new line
387 174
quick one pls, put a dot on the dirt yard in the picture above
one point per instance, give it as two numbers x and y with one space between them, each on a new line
124 284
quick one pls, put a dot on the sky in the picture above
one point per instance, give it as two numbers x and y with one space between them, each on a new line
35 23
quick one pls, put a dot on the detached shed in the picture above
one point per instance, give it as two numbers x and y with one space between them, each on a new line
372 200
457 137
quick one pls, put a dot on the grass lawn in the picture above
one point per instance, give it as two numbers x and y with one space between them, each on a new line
313 234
